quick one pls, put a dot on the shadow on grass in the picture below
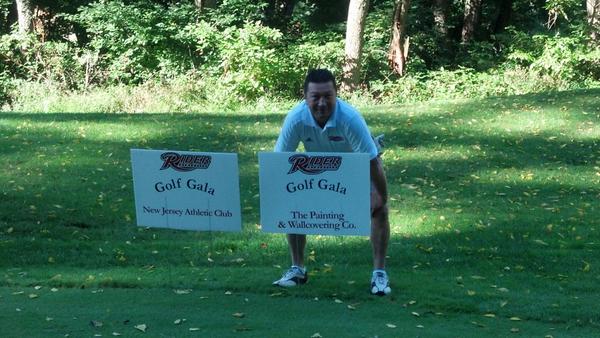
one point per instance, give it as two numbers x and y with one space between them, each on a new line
49 153
514 208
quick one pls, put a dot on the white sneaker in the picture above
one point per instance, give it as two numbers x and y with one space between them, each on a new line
294 276
380 284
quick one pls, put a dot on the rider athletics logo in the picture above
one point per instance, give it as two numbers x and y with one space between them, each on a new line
313 165
184 162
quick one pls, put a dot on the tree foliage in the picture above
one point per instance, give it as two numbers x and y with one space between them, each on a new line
256 48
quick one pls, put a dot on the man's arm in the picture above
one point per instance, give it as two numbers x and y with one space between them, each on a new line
360 138
379 180
288 139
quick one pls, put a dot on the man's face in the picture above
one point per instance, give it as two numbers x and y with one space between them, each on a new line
320 98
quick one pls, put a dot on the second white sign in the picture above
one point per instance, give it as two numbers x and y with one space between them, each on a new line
315 193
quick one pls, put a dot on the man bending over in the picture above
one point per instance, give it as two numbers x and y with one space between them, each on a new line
325 123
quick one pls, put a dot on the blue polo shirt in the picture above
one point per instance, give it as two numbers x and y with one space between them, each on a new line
345 131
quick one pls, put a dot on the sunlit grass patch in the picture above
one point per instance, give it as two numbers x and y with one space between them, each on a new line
491 214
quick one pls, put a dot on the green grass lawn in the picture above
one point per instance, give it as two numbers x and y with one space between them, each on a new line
495 213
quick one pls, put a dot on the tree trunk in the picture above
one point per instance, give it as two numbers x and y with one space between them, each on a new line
504 15
440 16
25 16
593 18
472 11
357 13
202 4
398 52
279 12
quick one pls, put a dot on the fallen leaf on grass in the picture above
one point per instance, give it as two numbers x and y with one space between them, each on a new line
338 301
116 334
470 292
416 314
242 328
33 295
391 326
586 267
54 289
477 324
351 307
239 315
96 323
490 315
194 329
514 330
515 319
420 326
316 335
183 291
141 327
228 293
276 294
424 249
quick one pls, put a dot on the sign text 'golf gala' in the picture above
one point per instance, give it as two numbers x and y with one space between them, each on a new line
315 193
186 190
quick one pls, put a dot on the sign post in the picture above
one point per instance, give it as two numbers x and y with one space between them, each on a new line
186 190
315 193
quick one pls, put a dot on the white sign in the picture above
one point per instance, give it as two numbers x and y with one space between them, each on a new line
315 193
186 190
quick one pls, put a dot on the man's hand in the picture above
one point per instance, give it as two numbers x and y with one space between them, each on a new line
378 184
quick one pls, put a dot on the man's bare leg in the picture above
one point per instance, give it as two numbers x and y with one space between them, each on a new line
297 244
380 236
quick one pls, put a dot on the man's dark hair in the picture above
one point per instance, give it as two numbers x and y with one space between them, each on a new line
319 76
